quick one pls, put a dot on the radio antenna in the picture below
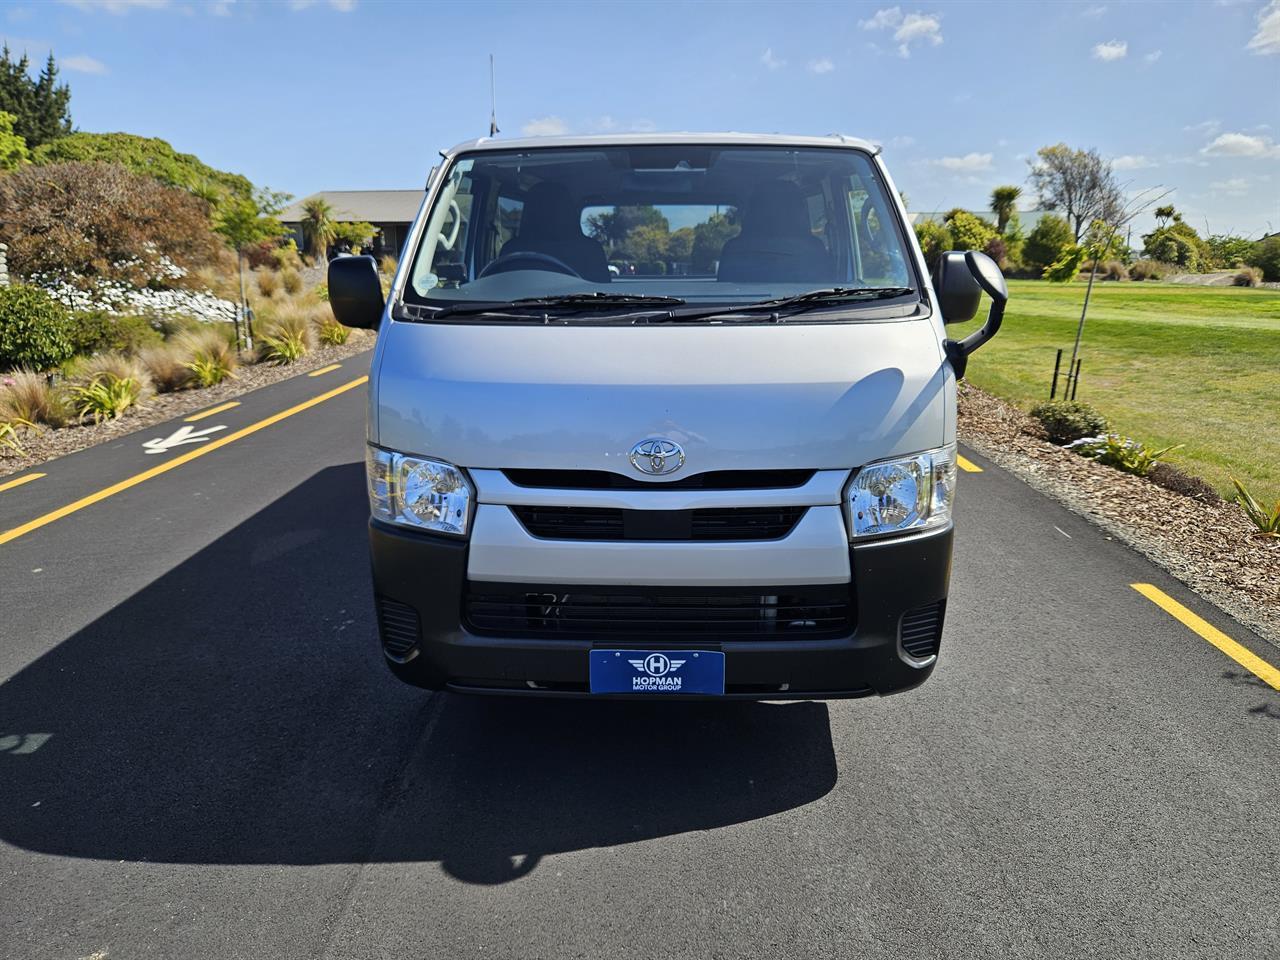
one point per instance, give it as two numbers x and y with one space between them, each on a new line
493 101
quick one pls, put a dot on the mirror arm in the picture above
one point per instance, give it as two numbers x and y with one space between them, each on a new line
958 351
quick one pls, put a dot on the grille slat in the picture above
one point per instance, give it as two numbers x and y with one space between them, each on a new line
604 613
398 623
711 480
613 523
922 630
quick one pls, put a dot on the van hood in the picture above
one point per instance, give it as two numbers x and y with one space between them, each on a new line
750 397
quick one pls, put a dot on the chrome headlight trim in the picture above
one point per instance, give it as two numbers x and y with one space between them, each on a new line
901 495
419 492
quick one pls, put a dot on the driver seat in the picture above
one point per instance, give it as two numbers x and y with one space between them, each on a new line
549 224
776 243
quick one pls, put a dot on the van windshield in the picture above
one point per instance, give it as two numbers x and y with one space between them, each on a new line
706 224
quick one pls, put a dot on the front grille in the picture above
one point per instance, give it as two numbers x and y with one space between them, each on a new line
711 480
398 625
922 630
609 523
616 613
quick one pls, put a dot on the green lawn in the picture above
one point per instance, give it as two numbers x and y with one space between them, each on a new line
1165 363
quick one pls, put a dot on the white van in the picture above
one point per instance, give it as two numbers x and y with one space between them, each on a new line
663 415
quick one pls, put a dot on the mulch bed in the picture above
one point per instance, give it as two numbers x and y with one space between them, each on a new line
1211 547
49 443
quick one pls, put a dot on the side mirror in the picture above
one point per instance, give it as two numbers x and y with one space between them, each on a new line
355 292
960 281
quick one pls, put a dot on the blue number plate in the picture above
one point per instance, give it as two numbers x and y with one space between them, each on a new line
657 671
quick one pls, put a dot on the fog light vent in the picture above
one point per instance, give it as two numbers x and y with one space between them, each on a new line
398 625
922 630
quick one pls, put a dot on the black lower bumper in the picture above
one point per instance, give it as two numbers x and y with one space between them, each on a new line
419 584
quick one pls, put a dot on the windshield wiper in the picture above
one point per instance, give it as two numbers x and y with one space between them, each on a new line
569 301
810 300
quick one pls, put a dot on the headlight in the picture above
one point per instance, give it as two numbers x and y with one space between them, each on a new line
417 492
906 494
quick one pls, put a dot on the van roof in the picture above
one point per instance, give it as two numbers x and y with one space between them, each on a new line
632 139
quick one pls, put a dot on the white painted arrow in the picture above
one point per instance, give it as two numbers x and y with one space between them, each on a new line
179 437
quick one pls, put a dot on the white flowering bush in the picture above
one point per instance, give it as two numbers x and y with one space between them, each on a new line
123 299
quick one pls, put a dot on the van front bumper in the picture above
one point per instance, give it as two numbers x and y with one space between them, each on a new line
420 582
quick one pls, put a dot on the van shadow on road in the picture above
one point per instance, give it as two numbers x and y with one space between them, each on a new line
236 711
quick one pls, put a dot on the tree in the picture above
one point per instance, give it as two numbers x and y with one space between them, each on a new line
615 227
97 221
41 107
709 238
149 156
1266 257
1164 214
1177 243
245 222
1004 204
317 227
1045 243
13 149
354 233
1227 251
1079 183
934 239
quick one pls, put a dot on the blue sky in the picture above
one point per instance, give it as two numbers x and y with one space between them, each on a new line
350 94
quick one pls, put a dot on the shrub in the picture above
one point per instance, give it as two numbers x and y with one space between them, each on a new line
969 232
1067 420
1044 245
1177 243
1114 270
35 330
95 220
1266 256
286 256
934 238
1171 478
1227 251
90 330
106 397
29 397
166 364
322 292
211 356
1266 520
268 283
1146 270
332 333
998 251
119 366
1123 453
387 265
1247 277
286 338
9 433
292 281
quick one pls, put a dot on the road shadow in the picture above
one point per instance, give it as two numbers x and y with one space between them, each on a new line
236 711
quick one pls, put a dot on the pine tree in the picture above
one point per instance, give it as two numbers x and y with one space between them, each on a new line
41 107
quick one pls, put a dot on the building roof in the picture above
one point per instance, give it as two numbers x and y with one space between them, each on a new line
632 139
372 206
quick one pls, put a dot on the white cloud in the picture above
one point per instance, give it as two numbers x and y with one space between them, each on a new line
908 29
821 65
1111 50
903 141
1153 56
83 64
969 163
545 127
1267 39
116 7
883 19
1206 127
1241 145
1130 161
221 8
1235 187
342 6
917 26
770 61
1094 12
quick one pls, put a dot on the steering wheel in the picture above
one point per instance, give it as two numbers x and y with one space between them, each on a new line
540 261
872 237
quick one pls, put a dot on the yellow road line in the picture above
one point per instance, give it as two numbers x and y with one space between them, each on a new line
968 466
1246 658
211 411
178 461
9 485
330 368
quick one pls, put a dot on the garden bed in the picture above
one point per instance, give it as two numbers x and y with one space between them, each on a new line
48 443
1211 547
